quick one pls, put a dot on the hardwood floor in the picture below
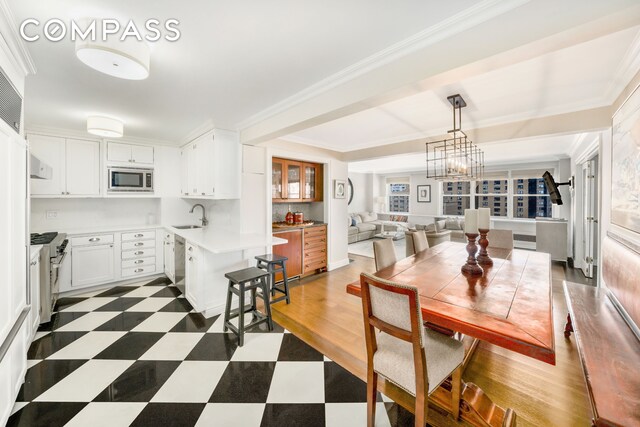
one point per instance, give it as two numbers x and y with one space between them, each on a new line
326 317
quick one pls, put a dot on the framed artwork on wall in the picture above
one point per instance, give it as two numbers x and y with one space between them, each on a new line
625 164
339 189
424 193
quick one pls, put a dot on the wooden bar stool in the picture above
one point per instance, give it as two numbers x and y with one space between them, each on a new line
275 264
241 281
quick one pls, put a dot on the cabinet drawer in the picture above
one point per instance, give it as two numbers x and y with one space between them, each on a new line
315 264
138 271
138 262
315 243
314 253
139 253
98 239
139 235
315 231
127 246
191 249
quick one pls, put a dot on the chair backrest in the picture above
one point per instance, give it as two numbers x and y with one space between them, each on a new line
384 253
408 243
393 308
500 239
420 242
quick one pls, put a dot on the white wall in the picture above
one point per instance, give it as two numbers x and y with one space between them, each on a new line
75 214
222 214
362 192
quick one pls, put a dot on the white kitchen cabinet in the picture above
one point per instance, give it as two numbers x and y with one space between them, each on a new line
75 164
211 166
118 152
34 300
193 287
92 264
138 253
169 256
82 167
50 150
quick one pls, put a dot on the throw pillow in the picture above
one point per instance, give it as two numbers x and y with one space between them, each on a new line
452 224
431 228
420 227
440 225
357 219
368 216
462 224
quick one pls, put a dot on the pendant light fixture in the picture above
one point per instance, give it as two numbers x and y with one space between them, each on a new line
125 59
455 158
105 126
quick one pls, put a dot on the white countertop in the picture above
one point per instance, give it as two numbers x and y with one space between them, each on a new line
220 241
33 251
101 229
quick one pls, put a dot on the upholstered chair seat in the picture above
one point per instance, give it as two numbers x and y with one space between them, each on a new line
394 359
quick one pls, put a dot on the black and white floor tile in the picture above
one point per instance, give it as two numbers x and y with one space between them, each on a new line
139 355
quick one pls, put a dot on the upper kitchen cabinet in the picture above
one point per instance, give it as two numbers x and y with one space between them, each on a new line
211 166
118 152
295 181
75 164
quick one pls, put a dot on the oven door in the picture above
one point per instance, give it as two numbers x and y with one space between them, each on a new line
130 179
58 264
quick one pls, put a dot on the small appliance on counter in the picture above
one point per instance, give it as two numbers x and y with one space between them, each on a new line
53 255
298 218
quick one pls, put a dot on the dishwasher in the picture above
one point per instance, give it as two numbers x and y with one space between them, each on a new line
179 263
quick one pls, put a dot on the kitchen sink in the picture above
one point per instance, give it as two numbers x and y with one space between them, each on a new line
186 227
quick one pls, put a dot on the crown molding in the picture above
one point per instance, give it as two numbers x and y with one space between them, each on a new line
468 18
627 69
205 127
74 133
19 53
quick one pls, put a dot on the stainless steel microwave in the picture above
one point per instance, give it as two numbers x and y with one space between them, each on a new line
131 179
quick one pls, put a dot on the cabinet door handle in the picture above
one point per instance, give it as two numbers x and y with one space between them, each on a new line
33 262
140 261
138 270
139 235
94 239
195 190
190 258
139 244
190 248
138 252
203 194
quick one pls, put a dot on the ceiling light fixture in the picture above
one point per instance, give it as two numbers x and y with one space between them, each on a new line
455 158
126 59
105 126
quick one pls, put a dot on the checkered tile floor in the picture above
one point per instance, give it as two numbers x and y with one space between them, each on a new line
138 355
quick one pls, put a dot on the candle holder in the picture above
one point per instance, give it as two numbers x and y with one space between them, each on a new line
471 267
483 255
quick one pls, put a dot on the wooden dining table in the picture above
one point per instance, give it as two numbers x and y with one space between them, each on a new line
510 305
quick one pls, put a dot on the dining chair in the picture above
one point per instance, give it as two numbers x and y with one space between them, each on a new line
408 244
500 239
420 242
404 352
384 253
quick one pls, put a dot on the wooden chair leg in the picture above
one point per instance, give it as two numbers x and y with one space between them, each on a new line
456 391
372 394
422 409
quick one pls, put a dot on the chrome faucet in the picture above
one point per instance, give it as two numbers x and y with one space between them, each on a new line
204 219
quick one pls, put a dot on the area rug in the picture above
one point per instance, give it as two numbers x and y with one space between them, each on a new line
365 248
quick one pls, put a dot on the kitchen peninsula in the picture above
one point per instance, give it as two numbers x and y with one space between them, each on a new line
207 254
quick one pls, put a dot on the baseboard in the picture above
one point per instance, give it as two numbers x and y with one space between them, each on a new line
108 285
338 264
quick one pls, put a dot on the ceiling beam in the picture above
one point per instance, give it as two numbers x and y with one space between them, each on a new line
562 124
512 36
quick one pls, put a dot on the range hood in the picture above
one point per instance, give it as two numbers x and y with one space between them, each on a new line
40 170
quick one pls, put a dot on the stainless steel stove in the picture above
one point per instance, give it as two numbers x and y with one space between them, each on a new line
54 255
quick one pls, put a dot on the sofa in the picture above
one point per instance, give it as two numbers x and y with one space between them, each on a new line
442 230
362 226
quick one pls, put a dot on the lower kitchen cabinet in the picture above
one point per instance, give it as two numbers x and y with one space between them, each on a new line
193 287
292 250
34 289
169 247
93 263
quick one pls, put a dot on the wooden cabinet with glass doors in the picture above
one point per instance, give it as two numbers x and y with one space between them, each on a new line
295 181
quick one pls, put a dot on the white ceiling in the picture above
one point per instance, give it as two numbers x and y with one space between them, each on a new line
579 77
530 150
234 59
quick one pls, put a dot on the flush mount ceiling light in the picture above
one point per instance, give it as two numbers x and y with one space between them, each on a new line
126 59
456 157
105 126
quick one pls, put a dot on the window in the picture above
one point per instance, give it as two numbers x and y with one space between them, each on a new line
531 198
494 195
398 195
456 197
